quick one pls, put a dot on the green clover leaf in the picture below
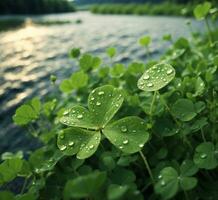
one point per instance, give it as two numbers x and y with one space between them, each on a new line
128 134
103 103
27 112
202 10
78 116
169 180
111 52
82 142
87 125
145 40
84 186
184 110
156 77
206 156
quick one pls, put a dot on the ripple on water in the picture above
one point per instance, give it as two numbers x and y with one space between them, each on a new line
30 54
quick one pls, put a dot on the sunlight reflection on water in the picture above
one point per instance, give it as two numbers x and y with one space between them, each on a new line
30 54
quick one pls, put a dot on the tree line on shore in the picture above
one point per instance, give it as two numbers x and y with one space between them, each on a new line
35 6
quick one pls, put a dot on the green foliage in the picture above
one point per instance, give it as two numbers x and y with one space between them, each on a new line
142 8
145 41
35 6
156 77
114 136
202 10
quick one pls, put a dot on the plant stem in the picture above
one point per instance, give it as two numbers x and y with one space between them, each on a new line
24 186
152 103
209 30
202 135
186 195
147 166
168 109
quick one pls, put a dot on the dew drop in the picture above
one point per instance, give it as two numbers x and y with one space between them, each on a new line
98 103
66 112
125 142
92 98
62 136
71 143
162 183
134 131
160 176
80 116
91 146
101 93
203 156
123 129
121 147
150 85
117 105
62 148
169 71
141 145
146 77
73 111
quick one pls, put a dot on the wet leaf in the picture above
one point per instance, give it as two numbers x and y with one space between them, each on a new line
156 77
78 141
116 192
128 134
78 116
168 183
103 103
205 156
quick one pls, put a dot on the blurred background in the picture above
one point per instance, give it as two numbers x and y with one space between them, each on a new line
36 36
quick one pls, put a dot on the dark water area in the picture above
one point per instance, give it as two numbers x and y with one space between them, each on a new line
30 54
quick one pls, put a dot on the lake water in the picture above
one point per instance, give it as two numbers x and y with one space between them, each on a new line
29 55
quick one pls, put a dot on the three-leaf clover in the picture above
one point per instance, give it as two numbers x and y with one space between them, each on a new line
156 77
170 181
87 125
206 155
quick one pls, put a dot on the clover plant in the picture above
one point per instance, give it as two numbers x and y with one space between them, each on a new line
116 131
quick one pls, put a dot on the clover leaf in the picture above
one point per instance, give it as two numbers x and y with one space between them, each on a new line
169 180
128 134
74 53
84 186
82 142
111 52
206 156
103 103
9 169
88 62
76 81
78 116
156 77
27 112
184 110
145 40
202 10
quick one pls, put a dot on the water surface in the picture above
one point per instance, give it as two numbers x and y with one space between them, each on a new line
29 56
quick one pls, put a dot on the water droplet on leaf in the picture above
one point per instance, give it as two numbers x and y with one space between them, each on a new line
98 103
125 142
80 116
123 129
150 85
203 156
